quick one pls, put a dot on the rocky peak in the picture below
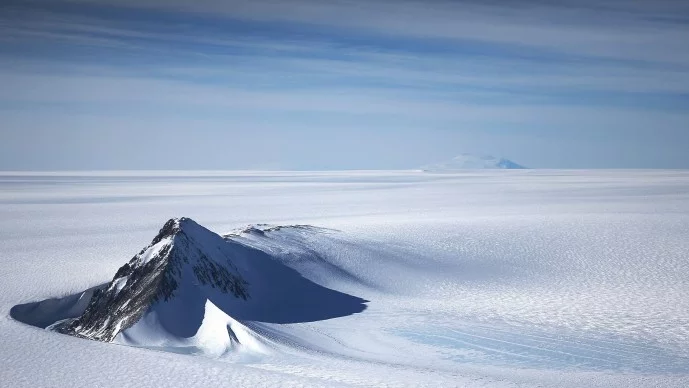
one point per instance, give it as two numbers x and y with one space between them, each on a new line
183 253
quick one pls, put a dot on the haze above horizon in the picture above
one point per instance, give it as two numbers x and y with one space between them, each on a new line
312 85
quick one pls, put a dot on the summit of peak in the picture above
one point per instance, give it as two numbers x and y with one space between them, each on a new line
174 226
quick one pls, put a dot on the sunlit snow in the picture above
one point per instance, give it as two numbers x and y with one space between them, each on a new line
477 278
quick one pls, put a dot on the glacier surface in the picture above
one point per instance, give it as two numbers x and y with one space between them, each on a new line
477 278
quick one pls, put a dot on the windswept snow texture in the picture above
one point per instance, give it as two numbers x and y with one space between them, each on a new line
473 162
478 278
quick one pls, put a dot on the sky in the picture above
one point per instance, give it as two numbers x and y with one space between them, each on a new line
351 84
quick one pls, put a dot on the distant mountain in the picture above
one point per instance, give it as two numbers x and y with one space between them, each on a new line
474 162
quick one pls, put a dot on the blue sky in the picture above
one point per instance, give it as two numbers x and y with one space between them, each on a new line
305 84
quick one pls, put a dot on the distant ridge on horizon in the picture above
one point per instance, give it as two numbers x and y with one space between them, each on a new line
467 161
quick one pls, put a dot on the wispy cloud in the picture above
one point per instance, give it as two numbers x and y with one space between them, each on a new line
384 64
609 29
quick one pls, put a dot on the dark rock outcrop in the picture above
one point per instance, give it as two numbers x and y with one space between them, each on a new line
153 276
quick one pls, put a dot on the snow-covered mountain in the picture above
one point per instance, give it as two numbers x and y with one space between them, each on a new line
473 162
180 291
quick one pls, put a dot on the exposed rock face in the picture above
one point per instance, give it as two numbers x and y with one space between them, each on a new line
190 291
183 251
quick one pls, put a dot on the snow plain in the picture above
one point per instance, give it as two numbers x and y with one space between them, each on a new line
478 278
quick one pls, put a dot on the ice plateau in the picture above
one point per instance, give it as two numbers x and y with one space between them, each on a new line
540 278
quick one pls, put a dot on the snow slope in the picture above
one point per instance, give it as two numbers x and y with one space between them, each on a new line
480 278
473 162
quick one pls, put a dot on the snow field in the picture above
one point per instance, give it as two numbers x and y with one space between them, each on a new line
502 278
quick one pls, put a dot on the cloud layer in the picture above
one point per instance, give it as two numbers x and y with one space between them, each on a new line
607 82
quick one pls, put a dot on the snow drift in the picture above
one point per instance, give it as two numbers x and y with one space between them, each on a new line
188 292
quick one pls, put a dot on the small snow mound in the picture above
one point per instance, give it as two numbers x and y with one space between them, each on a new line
218 335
